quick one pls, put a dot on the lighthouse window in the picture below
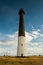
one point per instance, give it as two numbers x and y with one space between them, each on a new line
21 44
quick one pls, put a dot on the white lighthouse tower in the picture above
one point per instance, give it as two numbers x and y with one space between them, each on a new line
21 50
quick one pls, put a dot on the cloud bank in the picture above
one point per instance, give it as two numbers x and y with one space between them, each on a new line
34 43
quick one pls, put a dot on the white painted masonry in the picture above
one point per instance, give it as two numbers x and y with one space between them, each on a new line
21 46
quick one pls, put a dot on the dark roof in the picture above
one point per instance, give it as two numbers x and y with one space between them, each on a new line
21 11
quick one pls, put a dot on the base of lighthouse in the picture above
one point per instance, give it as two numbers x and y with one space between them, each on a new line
21 50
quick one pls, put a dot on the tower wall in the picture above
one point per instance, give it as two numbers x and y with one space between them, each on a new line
21 46
21 50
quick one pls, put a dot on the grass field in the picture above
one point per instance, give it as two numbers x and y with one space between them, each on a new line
30 60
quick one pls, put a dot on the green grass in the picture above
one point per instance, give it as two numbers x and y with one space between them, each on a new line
31 60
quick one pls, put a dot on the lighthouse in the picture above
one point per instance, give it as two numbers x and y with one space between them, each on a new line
21 50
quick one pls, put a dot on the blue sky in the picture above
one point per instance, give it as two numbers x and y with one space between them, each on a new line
9 17
9 22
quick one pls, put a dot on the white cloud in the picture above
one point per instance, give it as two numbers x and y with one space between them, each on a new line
28 37
33 48
35 51
6 51
35 32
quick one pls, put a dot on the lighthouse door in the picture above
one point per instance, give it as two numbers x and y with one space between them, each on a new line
21 54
